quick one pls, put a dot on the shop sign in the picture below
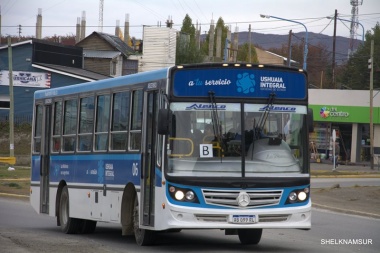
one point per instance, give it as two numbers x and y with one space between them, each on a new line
344 114
327 112
26 79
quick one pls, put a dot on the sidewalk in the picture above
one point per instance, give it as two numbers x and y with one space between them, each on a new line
326 166
357 200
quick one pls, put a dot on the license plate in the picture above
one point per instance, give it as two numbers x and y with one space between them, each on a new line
243 219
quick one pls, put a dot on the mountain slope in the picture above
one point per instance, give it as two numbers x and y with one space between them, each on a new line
267 41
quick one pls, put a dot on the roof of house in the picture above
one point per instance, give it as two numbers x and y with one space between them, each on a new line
280 56
17 44
115 42
70 71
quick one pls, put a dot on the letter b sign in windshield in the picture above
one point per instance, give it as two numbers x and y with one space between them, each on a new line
205 150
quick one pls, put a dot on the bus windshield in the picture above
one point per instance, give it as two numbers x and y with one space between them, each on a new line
224 140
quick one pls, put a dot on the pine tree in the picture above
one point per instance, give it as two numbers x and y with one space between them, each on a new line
355 73
187 50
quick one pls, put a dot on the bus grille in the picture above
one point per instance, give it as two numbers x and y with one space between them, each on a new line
211 217
258 198
273 218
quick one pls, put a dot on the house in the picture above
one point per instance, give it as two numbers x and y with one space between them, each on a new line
108 55
36 65
267 57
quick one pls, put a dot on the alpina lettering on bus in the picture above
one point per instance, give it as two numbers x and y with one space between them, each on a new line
279 108
205 107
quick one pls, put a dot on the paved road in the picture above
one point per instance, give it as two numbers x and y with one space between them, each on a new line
22 230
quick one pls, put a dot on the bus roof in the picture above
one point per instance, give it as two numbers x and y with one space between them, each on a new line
103 84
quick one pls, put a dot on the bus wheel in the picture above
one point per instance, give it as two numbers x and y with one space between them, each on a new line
68 225
143 237
250 236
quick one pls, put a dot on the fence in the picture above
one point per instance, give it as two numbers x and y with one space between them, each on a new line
18 119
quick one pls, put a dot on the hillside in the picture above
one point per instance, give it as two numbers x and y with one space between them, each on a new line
267 41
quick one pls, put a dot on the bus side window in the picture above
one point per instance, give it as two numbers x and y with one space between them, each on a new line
119 125
37 130
136 120
57 126
70 125
102 122
86 123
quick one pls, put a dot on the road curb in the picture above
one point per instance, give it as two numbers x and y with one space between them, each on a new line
336 209
346 176
13 195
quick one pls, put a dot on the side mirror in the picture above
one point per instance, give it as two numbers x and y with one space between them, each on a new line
310 121
164 121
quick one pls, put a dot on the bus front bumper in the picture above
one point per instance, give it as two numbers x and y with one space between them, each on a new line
290 217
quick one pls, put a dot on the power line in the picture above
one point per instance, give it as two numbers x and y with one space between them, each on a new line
326 26
200 9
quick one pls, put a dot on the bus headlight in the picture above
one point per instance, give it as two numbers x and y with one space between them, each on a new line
297 196
182 194
292 197
302 196
179 195
190 195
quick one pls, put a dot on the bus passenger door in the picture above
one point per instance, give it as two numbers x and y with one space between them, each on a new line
45 159
149 157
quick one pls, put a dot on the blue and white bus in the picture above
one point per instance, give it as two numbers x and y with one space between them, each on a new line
203 146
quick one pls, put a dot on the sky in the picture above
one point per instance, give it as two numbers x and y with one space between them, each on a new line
59 17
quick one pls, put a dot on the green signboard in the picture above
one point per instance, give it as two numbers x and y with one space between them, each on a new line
345 114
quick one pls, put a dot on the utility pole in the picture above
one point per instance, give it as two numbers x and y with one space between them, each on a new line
289 47
249 38
211 42
0 25
11 103
371 104
333 56
19 32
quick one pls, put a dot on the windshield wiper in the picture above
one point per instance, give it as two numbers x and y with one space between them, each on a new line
264 116
215 122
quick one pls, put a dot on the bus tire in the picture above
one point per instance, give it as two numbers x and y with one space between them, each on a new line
250 236
143 237
68 225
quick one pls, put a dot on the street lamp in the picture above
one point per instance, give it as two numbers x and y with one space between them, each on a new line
350 22
293 21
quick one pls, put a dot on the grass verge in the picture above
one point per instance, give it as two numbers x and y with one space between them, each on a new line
15 181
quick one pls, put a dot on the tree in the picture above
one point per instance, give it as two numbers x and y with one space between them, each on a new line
318 62
187 50
205 45
319 67
243 53
355 73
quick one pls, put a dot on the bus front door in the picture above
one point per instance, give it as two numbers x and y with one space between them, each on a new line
149 158
45 159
